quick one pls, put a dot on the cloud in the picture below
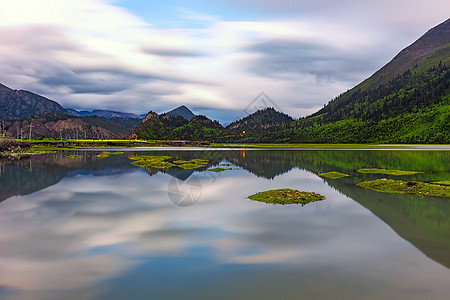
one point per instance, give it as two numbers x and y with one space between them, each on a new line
98 55
327 62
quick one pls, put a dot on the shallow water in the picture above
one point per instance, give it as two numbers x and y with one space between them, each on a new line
101 228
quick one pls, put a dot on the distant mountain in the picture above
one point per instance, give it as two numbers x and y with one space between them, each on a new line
109 114
262 119
20 104
406 101
70 127
181 111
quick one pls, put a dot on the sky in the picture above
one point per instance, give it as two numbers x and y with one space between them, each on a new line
216 57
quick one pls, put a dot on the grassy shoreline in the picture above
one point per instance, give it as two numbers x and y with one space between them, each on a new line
41 146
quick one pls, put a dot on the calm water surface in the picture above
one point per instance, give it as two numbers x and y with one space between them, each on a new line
101 228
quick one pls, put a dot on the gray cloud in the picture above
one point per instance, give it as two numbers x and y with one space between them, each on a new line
304 57
98 82
171 52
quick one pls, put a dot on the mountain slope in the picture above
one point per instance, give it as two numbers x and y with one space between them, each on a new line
70 127
21 104
406 101
181 111
433 40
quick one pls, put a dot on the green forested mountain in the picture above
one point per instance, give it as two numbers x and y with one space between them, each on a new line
261 119
165 127
407 101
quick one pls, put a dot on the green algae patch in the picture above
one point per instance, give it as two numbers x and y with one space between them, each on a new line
153 164
286 196
150 157
113 152
406 187
103 155
199 161
333 175
225 165
218 170
181 162
165 162
387 172
442 182
74 156
190 166
154 161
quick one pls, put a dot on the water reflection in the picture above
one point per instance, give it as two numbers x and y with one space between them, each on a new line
102 228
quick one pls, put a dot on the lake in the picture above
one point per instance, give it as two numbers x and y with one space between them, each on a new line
102 228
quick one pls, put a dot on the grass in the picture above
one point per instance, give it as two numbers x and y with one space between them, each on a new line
333 175
103 155
406 187
442 182
74 156
387 172
225 165
286 196
43 149
314 146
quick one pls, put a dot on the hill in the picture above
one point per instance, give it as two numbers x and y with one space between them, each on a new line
261 119
165 127
181 111
406 101
22 104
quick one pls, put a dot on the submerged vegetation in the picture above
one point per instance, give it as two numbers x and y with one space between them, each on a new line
333 175
74 156
286 196
406 187
387 172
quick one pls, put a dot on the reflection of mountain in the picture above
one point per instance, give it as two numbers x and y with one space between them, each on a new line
425 223
27 176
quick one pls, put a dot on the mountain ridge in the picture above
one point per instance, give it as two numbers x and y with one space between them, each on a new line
181 111
109 114
19 104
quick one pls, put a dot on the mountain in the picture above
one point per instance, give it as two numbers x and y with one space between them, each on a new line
20 104
4 88
406 101
181 111
165 127
56 125
109 114
262 119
